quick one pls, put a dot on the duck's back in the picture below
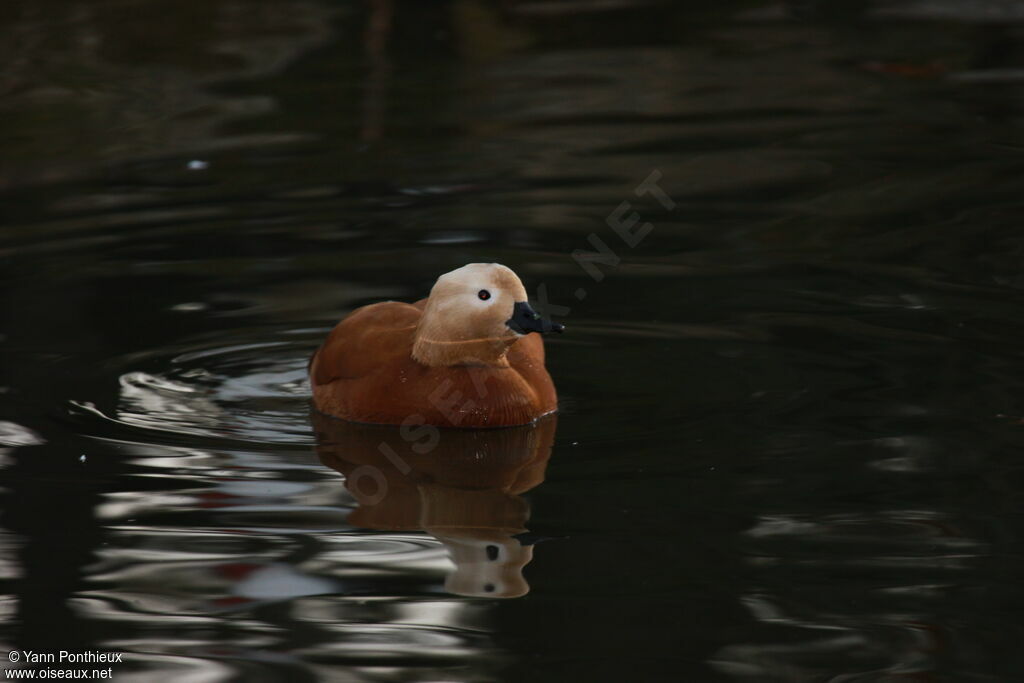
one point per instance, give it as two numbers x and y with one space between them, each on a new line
365 372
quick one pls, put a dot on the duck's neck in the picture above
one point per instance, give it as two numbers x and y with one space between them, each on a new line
434 352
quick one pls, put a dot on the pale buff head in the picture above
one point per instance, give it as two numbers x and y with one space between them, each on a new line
467 317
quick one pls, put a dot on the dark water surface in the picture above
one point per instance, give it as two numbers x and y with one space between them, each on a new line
790 447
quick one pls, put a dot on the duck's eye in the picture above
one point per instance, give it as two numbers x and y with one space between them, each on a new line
484 295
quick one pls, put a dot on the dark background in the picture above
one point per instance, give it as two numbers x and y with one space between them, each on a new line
790 439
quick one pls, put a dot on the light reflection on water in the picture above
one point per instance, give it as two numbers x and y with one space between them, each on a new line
248 518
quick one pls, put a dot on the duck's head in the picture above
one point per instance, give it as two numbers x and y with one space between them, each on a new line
473 315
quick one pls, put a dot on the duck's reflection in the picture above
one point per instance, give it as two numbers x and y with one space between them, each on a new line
463 487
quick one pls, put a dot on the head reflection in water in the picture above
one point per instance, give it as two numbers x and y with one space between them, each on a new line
463 489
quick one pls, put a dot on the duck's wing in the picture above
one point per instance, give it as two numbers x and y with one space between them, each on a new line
366 339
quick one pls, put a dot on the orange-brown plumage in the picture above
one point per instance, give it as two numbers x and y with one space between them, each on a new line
445 360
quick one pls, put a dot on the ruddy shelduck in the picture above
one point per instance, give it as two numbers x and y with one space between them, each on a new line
463 357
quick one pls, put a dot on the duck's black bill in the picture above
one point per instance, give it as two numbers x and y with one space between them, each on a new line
525 320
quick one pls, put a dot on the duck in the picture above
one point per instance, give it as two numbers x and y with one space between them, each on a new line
469 356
